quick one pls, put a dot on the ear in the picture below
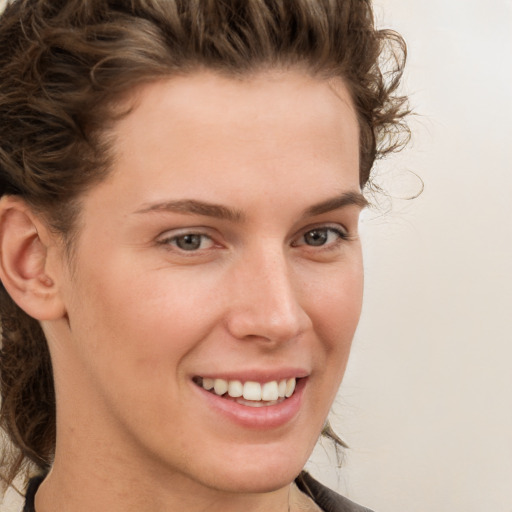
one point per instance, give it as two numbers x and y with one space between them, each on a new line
24 250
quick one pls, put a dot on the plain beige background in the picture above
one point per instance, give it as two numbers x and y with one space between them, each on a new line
426 404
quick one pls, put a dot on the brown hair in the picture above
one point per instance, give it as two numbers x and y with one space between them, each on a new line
63 64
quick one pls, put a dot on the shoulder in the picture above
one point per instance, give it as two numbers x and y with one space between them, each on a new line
325 498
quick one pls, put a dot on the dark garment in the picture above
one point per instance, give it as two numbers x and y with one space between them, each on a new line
327 500
31 493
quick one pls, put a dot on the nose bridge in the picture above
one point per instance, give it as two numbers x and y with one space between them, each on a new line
266 303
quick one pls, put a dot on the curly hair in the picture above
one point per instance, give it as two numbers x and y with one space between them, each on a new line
65 64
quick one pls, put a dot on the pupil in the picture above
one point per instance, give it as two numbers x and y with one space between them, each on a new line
189 242
316 237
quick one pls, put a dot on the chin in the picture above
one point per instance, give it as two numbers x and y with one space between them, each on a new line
259 475
257 482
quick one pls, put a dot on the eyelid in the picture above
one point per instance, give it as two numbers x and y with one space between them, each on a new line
330 226
166 238
341 231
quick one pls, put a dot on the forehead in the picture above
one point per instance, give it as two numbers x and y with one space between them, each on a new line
207 89
212 119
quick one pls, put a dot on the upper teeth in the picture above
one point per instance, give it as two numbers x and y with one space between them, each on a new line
267 391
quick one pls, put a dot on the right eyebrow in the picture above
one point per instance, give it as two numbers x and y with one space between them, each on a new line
194 207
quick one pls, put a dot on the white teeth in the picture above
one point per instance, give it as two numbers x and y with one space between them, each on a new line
269 391
252 391
290 388
220 386
235 388
208 384
281 388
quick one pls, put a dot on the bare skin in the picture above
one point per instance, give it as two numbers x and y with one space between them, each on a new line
299 502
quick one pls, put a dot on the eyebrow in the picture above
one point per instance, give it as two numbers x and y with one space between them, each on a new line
194 207
335 203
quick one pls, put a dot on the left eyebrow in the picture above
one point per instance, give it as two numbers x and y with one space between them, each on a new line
335 203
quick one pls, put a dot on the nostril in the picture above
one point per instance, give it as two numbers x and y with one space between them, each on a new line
268 326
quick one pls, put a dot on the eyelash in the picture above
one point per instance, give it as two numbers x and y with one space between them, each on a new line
341 236
325 230
173 241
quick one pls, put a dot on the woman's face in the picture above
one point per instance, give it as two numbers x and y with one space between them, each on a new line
222 250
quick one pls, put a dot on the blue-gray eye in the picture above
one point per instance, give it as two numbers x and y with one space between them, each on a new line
189 242
319 237
316 237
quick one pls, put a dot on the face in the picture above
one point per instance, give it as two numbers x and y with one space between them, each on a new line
221 251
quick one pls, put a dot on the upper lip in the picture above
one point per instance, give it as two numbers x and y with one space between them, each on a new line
257 375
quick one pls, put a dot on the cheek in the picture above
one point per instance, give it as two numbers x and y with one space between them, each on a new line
336 316
150 318
336 307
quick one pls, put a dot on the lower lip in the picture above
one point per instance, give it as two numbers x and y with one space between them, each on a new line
266 417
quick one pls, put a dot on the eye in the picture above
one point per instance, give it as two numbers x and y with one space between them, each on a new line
319 237
189 241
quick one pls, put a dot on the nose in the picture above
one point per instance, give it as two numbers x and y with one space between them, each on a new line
265 300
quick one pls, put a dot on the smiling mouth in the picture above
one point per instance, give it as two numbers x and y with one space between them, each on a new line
250 393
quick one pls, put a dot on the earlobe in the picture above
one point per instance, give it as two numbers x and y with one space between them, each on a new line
24 242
